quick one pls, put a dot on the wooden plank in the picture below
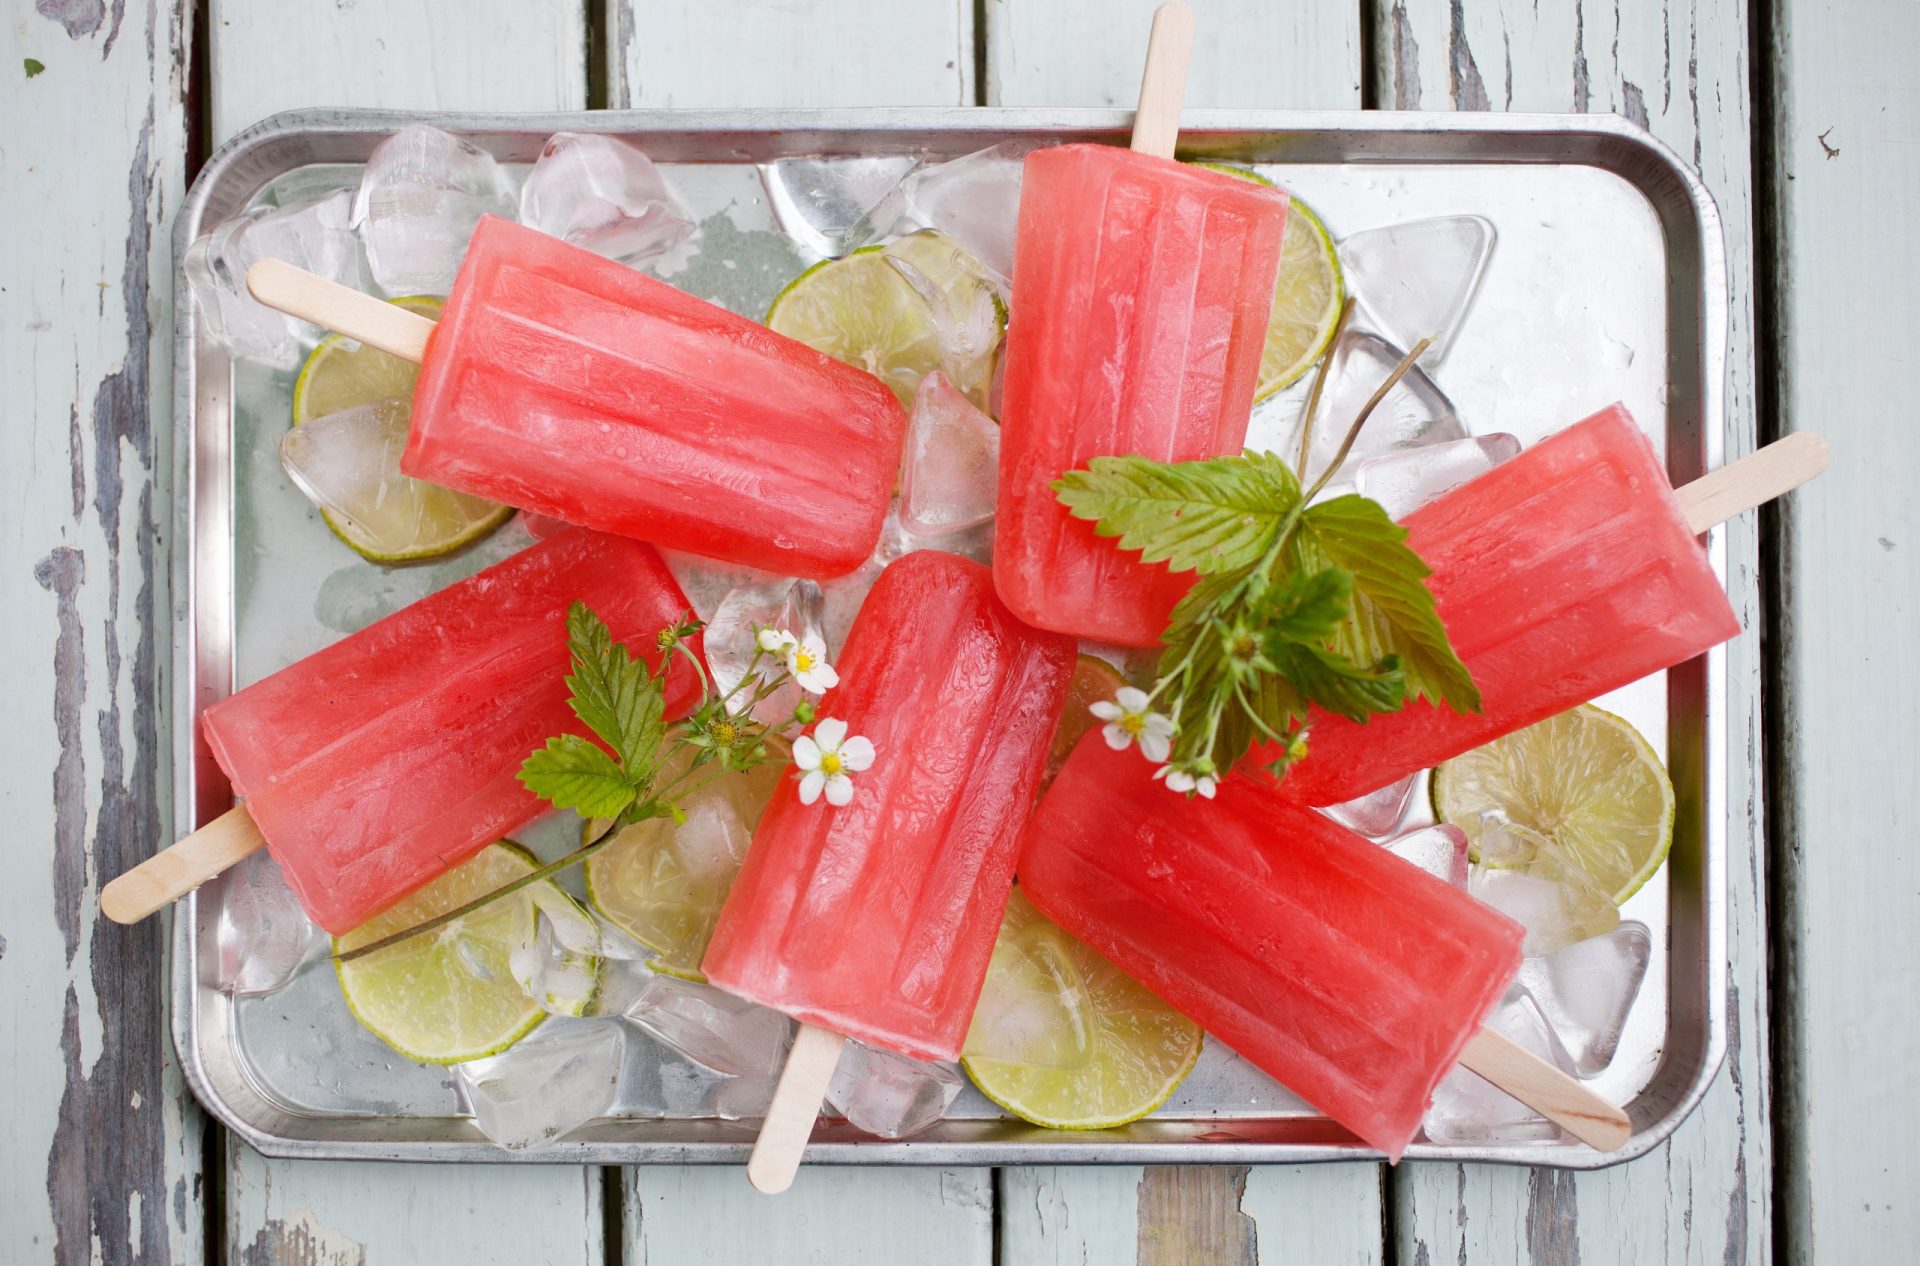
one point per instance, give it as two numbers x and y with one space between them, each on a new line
437 54
417 55
779 53
686 1214
400 1215
1302 55
1246 53
1680 69
1849 735
103 1143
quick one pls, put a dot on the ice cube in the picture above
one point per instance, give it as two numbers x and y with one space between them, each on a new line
965 307
888 1094
560 968
1377 814
317 236
731 638
604 195
897 540
712 1027
952 467
1526 877
562 1075
422 192
1586 989
1441 851
1468 1109
262 935
741 1098
974 199
1417 279
1402 482
1414 413
348 464
819 201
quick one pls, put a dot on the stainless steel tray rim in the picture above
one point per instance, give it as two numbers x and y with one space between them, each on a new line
857 125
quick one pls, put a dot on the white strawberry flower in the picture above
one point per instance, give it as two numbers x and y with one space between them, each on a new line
826 758
807 661
1128 717
774 641
1187 782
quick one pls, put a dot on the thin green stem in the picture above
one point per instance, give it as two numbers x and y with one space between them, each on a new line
1353 432
1319 385
441 920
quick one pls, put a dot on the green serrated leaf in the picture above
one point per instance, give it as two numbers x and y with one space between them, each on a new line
1206 516
1338 684
1308 607
613 694
1392 610
572 773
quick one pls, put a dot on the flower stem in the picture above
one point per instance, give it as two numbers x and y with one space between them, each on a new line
1319 385
1353 432
441 920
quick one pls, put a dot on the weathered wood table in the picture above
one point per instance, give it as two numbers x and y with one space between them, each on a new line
1800 114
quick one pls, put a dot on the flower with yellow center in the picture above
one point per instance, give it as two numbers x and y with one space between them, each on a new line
826 759
807 662
1129 719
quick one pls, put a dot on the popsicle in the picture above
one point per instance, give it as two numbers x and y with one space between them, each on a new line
875 920
1353 977
1564 573
570 385
1142 293
386 759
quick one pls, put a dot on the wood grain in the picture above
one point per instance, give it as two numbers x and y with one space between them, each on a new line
1246 53
103 1144
495 55
1845 165
1678 67
789 53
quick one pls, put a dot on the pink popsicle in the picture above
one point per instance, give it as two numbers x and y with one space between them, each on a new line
1560 575
389 757
1351 976
1142 293
568 384
876 920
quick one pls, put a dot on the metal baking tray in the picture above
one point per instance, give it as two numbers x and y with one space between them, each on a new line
1608 282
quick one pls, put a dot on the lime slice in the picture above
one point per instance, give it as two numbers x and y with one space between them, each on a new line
1093 679
386 516
663 884
873 315
1064 1039
1584 780
448 995
1306 298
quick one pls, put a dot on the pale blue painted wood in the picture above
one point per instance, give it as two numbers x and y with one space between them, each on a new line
102 1161
1847 172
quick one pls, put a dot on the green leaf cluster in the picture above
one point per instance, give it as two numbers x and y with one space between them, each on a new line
1295 605
621 699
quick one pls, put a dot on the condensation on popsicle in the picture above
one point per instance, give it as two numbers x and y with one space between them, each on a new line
1142 293
389 757
1562 574
568 384
1351 976
876 920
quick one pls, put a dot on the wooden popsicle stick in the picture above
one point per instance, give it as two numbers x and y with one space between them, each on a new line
375 322
1548 1091
796 1102
1156 121
174 872
1754 480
